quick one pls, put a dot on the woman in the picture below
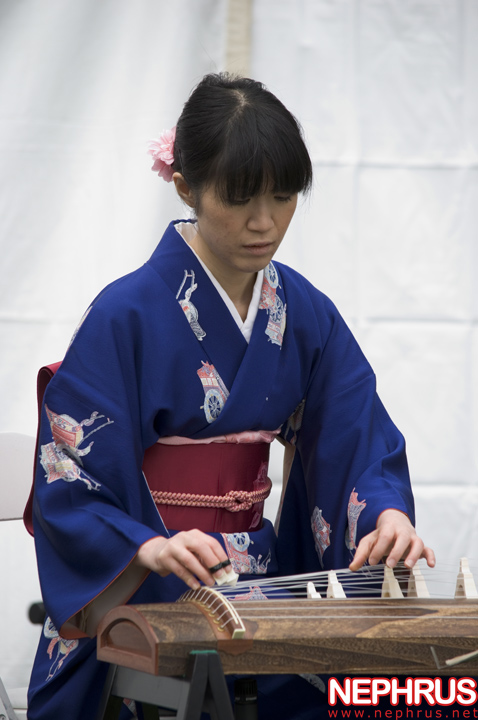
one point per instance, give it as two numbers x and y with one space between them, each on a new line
188 368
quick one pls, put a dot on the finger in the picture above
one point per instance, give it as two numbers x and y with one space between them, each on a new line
220 566
429 556
197 536
186 564
215 566
176 557
386 540
379 551
414 552
199 543
404 547
182 573
206 549
362 552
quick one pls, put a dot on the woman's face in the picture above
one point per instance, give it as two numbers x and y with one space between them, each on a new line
242 237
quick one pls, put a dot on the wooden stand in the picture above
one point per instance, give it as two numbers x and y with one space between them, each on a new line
203 690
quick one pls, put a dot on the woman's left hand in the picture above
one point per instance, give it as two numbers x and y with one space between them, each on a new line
394 538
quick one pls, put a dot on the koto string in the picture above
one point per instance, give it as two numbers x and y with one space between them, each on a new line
365 583
440 581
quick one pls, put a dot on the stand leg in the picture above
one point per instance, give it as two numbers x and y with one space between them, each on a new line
221 708
110 705
148 712
203 690
198 677
207 689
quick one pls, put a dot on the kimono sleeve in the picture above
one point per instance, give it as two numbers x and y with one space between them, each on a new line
350 463
92 509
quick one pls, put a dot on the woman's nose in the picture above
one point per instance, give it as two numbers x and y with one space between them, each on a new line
260 219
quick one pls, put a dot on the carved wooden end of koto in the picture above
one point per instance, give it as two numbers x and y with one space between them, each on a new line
369 637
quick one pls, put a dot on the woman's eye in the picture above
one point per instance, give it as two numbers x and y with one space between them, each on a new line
244 201
283 198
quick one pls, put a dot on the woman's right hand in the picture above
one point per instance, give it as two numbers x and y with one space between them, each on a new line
187 554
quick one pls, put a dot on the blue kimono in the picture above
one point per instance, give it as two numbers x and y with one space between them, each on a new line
134 373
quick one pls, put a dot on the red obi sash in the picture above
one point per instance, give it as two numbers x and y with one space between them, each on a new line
215 487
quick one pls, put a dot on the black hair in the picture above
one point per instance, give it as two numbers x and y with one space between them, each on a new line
236 136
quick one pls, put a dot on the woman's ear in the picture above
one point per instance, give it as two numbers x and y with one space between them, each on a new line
183 190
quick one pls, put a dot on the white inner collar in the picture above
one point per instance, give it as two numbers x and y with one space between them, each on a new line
188 231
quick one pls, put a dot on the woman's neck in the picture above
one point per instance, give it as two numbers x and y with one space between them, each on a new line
239 286
240 293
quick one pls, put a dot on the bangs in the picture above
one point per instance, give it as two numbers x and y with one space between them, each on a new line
260 155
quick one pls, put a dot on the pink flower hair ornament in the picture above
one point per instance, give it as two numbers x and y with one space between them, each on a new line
162 150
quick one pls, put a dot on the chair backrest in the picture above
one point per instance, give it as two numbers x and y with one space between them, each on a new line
17 452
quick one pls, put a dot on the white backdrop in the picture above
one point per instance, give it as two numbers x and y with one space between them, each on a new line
387 92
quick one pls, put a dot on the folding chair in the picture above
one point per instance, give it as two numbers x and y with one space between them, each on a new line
16 458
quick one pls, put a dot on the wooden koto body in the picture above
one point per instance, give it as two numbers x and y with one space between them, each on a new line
366 637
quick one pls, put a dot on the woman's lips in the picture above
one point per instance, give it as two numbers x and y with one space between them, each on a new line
259 248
